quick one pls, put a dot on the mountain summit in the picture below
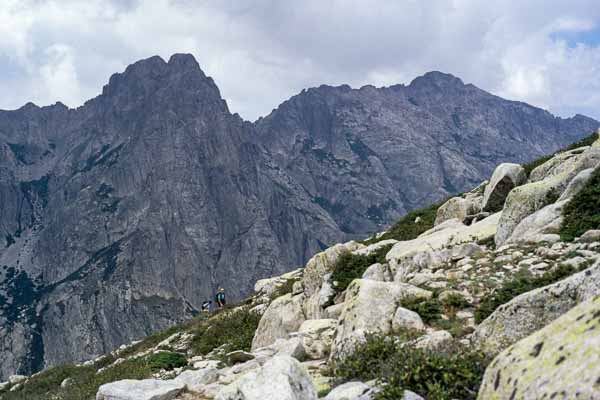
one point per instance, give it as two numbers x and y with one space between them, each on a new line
121 216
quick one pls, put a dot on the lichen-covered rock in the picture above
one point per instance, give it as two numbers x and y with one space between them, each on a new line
147 389
348 391
576 184
547 181
284 315
281 378
370 307
365 251
322 263
506 176
406 319
377 272
317 337
315 280
561 361
533 310
401 257
458 208
593 235
194 380
542 222
269 286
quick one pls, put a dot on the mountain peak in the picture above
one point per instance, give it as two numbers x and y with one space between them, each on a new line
437 78
184 62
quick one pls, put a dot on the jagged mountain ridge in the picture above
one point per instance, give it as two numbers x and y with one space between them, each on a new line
121 216
395 149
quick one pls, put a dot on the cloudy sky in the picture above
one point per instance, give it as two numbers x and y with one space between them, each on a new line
261 52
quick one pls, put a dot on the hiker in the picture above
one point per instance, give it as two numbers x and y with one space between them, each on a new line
206 307
221 298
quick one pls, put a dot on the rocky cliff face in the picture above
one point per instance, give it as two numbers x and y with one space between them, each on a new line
372 154
118 218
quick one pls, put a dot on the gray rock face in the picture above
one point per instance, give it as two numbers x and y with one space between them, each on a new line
120 217
505 177
369 155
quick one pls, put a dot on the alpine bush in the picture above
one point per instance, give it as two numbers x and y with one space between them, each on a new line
234 328
582 212
166 360
352 266
448 372
522 282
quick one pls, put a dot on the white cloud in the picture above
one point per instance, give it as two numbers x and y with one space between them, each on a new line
262 52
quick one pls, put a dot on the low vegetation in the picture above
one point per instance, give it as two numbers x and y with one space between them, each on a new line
234 328
448 372
411 225
582 212
166 360
352 266
522 282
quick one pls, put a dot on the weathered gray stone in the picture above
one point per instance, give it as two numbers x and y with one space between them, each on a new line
505 177
370 307
533 310
542 222
348 391
593 235
562 358
377 272
284 315
195 380
281 378
239 356
432 340
317 337
147 389
576 184
458 208
406 320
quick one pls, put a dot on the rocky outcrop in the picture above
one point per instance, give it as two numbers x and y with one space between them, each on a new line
281 378
547 183
148 389
370 307
458 208
283 316
506 177
561 360
317 337
533 310
431 247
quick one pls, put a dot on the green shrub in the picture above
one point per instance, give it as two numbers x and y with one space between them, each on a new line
451 371
430 310
454 302
522 282
582 212
352 266
166 360
235 328
406 228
